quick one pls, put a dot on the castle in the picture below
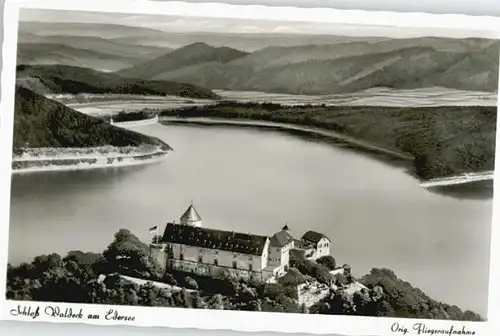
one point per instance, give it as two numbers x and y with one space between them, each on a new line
189 247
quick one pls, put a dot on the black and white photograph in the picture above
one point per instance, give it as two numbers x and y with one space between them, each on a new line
252 165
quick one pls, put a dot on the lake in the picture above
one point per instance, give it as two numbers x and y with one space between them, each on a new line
256 180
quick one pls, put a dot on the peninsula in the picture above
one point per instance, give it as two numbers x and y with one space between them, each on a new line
50 136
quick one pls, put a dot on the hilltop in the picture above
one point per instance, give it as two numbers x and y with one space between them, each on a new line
193 54
40 122
132 277
74 80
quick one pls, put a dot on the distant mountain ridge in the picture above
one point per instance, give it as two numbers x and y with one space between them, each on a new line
284 63
147 37
73 80
96 43
466 64
104 30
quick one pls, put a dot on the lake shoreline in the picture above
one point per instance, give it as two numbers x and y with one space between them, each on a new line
285 126
83 159
407 131
388 156
350 143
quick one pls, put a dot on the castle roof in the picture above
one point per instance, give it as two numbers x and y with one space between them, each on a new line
313 237
300 244
214 239
281 239
191 215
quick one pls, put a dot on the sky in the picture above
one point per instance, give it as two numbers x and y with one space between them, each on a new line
471 7
218 25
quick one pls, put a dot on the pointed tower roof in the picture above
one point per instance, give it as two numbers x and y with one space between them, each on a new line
285 228
190 215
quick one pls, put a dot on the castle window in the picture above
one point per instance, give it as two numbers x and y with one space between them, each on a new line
250 267
234 264
216 262
200 259
181 256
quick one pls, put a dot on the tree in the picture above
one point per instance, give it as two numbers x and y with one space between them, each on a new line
129 256
398 298
191 283
216 302
340 280
292 278
327 261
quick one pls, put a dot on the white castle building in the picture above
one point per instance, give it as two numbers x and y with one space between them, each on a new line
189 247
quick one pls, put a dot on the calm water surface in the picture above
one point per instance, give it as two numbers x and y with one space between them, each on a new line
254 181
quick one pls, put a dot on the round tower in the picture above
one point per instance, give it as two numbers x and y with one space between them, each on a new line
191 217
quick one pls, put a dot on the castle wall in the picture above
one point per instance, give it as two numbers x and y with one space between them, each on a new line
265 256
280 256
322 249
275 256
159 255
213 257
215 271
285 254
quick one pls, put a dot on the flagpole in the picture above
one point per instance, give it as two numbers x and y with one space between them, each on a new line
157 234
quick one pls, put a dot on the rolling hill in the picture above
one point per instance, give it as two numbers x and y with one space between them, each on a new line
315 73
74 80
42 122
193 54
476 69
48 53
279 56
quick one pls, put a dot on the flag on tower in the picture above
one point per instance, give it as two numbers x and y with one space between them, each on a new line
153 229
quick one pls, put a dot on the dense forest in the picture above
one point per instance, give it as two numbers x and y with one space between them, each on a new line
75 278
443 140
42 122
74 80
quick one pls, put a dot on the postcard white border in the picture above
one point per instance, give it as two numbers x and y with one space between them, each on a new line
484 26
